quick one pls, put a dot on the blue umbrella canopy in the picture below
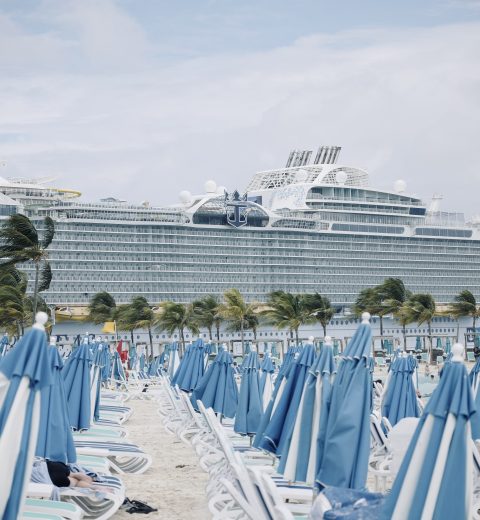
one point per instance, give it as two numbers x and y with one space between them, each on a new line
435 479
141 363
76 378
277 434
4 343
183 365
192 367
98 361
347 436
55 439
287 360
448 345
117 369
132 356
24 372
274 351
249 410
418 343
400 398
336 347
105 362
388 344
173 359
301 460
439 343
217 388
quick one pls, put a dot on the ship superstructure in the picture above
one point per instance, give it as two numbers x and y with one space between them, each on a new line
314 225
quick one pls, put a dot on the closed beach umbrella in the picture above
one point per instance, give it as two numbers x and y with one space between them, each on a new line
435 480
96 381
266 380
217 388
300 462
173 359
388 346
400 399
418 343
336 347
24 372
141 364
132 356
55 439
448 346
76 379
278 433
347 437
105 362
274 350
4 343
118 372
183 365
439 344
249 410
287 360
192 369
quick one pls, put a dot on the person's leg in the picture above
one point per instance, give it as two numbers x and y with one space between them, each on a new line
74 482
82 477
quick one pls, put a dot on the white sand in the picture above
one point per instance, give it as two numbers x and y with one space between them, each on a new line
174 484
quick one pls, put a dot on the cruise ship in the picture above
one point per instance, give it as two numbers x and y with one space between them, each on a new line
313 225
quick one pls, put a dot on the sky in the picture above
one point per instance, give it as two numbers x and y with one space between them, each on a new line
141 99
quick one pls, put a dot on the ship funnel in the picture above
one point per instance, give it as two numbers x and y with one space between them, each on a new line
298 158
435 204
327 155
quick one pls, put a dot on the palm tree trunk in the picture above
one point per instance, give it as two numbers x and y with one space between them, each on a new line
255 333
132 337
151 340
210 333
35 290
296 336
324 326
182 341
218 333
430 341
404 332
381 331
241 333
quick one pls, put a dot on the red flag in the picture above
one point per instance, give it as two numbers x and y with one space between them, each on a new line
122 353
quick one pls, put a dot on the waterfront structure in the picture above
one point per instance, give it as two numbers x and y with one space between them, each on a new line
310 226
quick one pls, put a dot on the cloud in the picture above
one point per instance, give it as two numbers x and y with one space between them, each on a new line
102 110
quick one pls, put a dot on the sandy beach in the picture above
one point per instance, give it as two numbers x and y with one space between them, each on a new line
174 484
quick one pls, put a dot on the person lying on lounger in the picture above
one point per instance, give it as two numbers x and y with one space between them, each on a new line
62 476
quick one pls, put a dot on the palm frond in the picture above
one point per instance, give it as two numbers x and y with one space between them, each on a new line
45 277
48 233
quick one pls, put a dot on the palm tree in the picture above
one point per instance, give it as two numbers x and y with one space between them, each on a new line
320 307
177 317
124 319
206 313
238 313
142 316
101 308
20 243
420 308
286 310
13 285
394 295
370 300
464 306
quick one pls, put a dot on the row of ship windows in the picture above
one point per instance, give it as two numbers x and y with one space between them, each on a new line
352 288
239 277
198 234
242 247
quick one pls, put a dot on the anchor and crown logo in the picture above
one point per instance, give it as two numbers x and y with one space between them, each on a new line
236 207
